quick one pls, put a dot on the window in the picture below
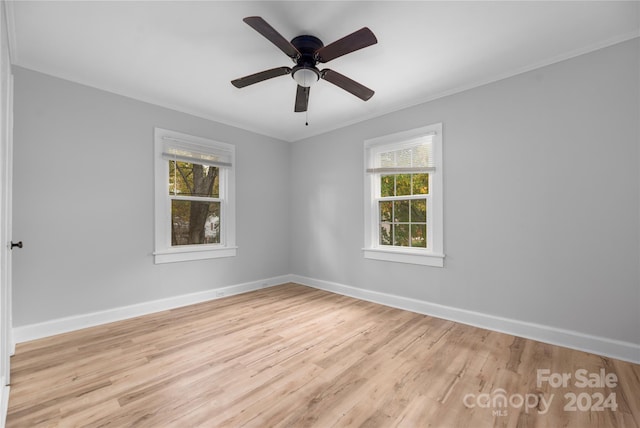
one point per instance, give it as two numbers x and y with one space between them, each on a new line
194 206
403 197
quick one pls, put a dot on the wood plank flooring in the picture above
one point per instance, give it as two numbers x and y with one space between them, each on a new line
292 356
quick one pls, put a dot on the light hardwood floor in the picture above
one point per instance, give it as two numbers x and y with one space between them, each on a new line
294 356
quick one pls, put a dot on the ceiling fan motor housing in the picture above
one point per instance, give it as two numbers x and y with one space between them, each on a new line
305 72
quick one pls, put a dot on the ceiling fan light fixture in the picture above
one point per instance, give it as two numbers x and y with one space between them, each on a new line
305 76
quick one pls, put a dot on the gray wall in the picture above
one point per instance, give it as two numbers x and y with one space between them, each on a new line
541 207
542 198
83 203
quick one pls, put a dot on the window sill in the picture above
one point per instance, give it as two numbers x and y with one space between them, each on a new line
416 257
187 253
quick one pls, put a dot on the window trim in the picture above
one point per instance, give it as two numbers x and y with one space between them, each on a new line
164 252
433 256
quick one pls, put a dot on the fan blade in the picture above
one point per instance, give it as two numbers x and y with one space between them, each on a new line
302 99
347 84
262 27
354 41
259 77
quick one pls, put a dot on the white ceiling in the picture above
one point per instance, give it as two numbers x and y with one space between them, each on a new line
183 55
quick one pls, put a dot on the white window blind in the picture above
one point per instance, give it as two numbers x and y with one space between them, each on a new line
178 150
414 156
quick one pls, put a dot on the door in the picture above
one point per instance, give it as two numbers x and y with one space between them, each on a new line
6 157
6 162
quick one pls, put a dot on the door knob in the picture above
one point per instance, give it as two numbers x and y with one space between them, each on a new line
13 244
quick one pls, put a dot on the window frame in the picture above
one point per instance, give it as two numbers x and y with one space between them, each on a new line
164 251
433 255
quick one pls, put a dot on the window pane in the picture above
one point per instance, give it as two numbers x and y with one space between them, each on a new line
422 155
386 211
189 179
419 235
385 234
176 181
416 156
403 184
420 184
387 185
401 211
401 235
195 222
419 211
404 157
387 159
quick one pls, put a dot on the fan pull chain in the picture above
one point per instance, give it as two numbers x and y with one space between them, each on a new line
306 122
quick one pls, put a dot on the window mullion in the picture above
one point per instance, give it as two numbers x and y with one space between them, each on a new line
410 234
393 221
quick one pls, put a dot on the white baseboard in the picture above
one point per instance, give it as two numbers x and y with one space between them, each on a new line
626 351
4 402
67 324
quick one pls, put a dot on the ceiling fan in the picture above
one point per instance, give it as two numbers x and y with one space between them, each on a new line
306 52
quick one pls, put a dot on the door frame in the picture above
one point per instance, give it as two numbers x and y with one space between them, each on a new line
7 344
